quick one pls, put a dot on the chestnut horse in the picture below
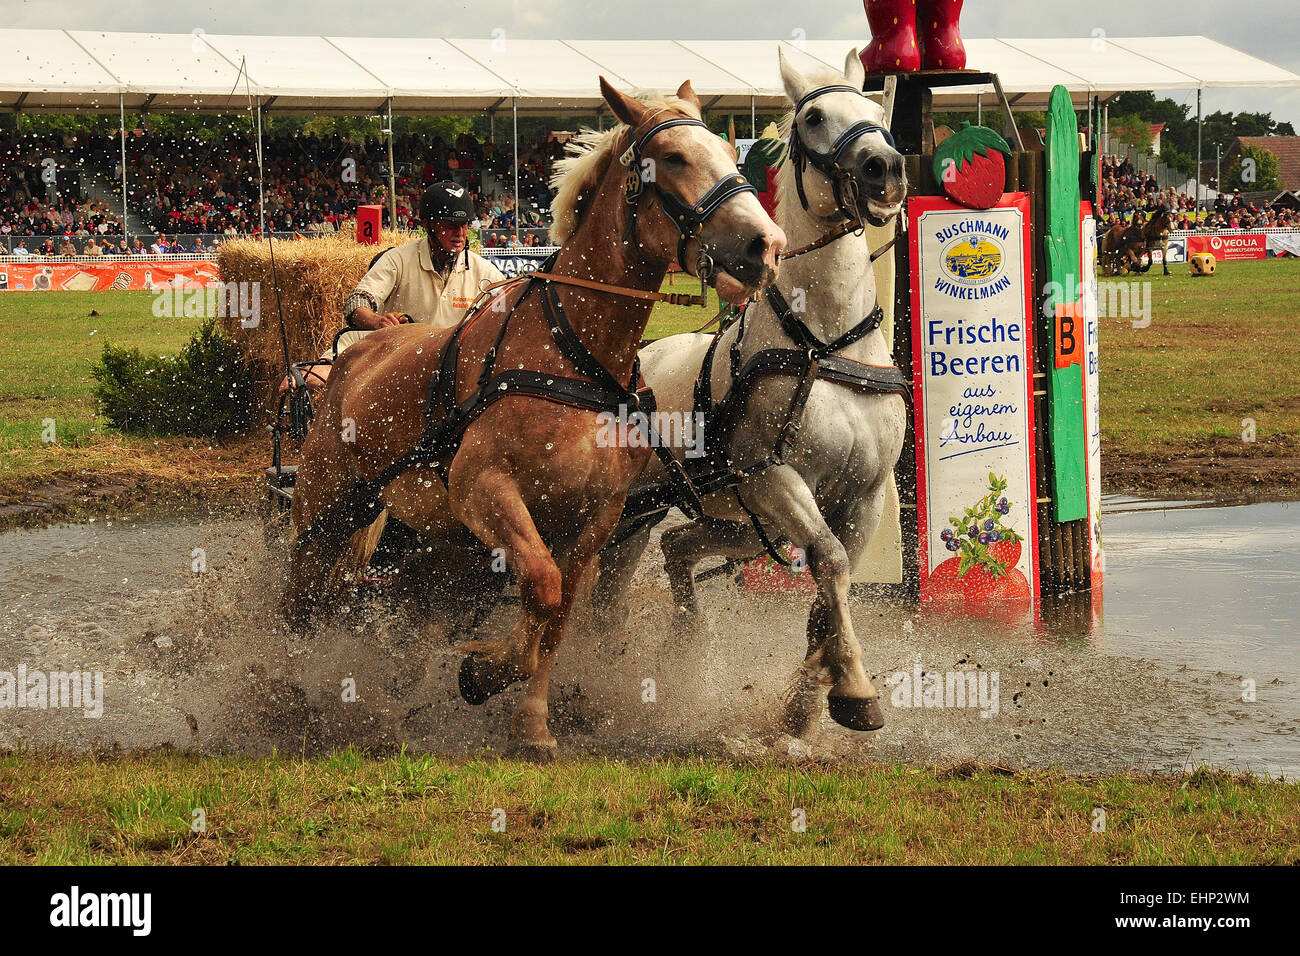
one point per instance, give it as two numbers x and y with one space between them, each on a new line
1155 232
522 478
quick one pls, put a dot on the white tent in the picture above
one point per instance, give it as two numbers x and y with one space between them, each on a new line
94 71
42 70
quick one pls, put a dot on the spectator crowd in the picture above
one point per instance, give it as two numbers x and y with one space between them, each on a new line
1126 190
41 195
209 191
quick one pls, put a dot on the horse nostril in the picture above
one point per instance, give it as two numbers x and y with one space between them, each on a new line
875 168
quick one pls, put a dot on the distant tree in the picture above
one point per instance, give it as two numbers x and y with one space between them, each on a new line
1175 158
1134 130
1255 169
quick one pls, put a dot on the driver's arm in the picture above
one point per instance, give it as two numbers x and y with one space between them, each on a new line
361 309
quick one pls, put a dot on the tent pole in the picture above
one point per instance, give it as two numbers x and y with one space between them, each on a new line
261 180
121 111
979 109
514 112
753 120
1199 124
392 173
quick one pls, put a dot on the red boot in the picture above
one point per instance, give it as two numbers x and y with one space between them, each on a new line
941 46
893 46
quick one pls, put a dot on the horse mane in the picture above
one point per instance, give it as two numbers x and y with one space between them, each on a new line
576 176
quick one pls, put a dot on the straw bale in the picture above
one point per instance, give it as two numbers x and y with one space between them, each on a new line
314 277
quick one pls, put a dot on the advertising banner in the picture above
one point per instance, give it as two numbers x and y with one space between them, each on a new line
515 261
1229 248
1092 384
1284 244
143 274
1177 252
972 335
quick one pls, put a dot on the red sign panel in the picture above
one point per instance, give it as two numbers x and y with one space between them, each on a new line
1229 248
148 274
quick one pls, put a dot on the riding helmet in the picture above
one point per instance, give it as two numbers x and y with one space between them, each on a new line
446 202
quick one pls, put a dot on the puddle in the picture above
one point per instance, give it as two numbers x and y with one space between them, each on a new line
1198 599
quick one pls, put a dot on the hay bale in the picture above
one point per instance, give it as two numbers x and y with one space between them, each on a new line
314 277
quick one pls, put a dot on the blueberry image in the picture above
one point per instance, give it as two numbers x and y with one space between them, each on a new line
952 544
973 531
994 535
946 534
990 524
984 537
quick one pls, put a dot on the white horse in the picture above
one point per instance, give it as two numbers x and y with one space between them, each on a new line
828 495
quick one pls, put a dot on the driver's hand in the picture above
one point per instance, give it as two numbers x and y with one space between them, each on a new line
391 318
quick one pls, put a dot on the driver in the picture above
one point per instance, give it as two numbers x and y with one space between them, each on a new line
433 279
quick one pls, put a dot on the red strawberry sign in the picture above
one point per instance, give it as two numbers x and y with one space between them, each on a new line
971 165
985 554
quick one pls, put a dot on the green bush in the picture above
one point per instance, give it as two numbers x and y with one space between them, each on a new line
206 391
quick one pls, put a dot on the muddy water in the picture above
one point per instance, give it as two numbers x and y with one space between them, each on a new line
178 613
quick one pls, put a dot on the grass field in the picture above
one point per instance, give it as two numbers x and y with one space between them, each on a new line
421 809
1182 385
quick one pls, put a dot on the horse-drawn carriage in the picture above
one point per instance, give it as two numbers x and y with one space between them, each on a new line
1129 247
481 442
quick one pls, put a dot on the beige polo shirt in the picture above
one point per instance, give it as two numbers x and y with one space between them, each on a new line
404 280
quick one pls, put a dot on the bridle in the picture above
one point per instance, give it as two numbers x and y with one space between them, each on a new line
828 163
689 218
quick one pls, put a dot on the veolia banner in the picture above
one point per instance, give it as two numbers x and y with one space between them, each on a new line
972 356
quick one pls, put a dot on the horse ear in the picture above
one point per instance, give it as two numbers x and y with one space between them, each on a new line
625 107
791 78
854 71
687 93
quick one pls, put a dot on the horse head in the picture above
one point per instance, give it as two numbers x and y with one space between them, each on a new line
856 173
708 217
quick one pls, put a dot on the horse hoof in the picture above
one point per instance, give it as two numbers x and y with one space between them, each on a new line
857 713
532 752
473 688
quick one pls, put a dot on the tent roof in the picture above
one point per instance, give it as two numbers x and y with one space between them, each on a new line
61 70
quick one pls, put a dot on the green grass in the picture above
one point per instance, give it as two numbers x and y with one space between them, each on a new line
422 809
1218 349
1214 353
50 340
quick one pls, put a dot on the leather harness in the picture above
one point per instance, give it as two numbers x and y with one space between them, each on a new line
809 361
446 420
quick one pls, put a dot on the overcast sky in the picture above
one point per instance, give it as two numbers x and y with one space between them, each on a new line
1265 28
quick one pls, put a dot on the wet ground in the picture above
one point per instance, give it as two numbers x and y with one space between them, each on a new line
1200 608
